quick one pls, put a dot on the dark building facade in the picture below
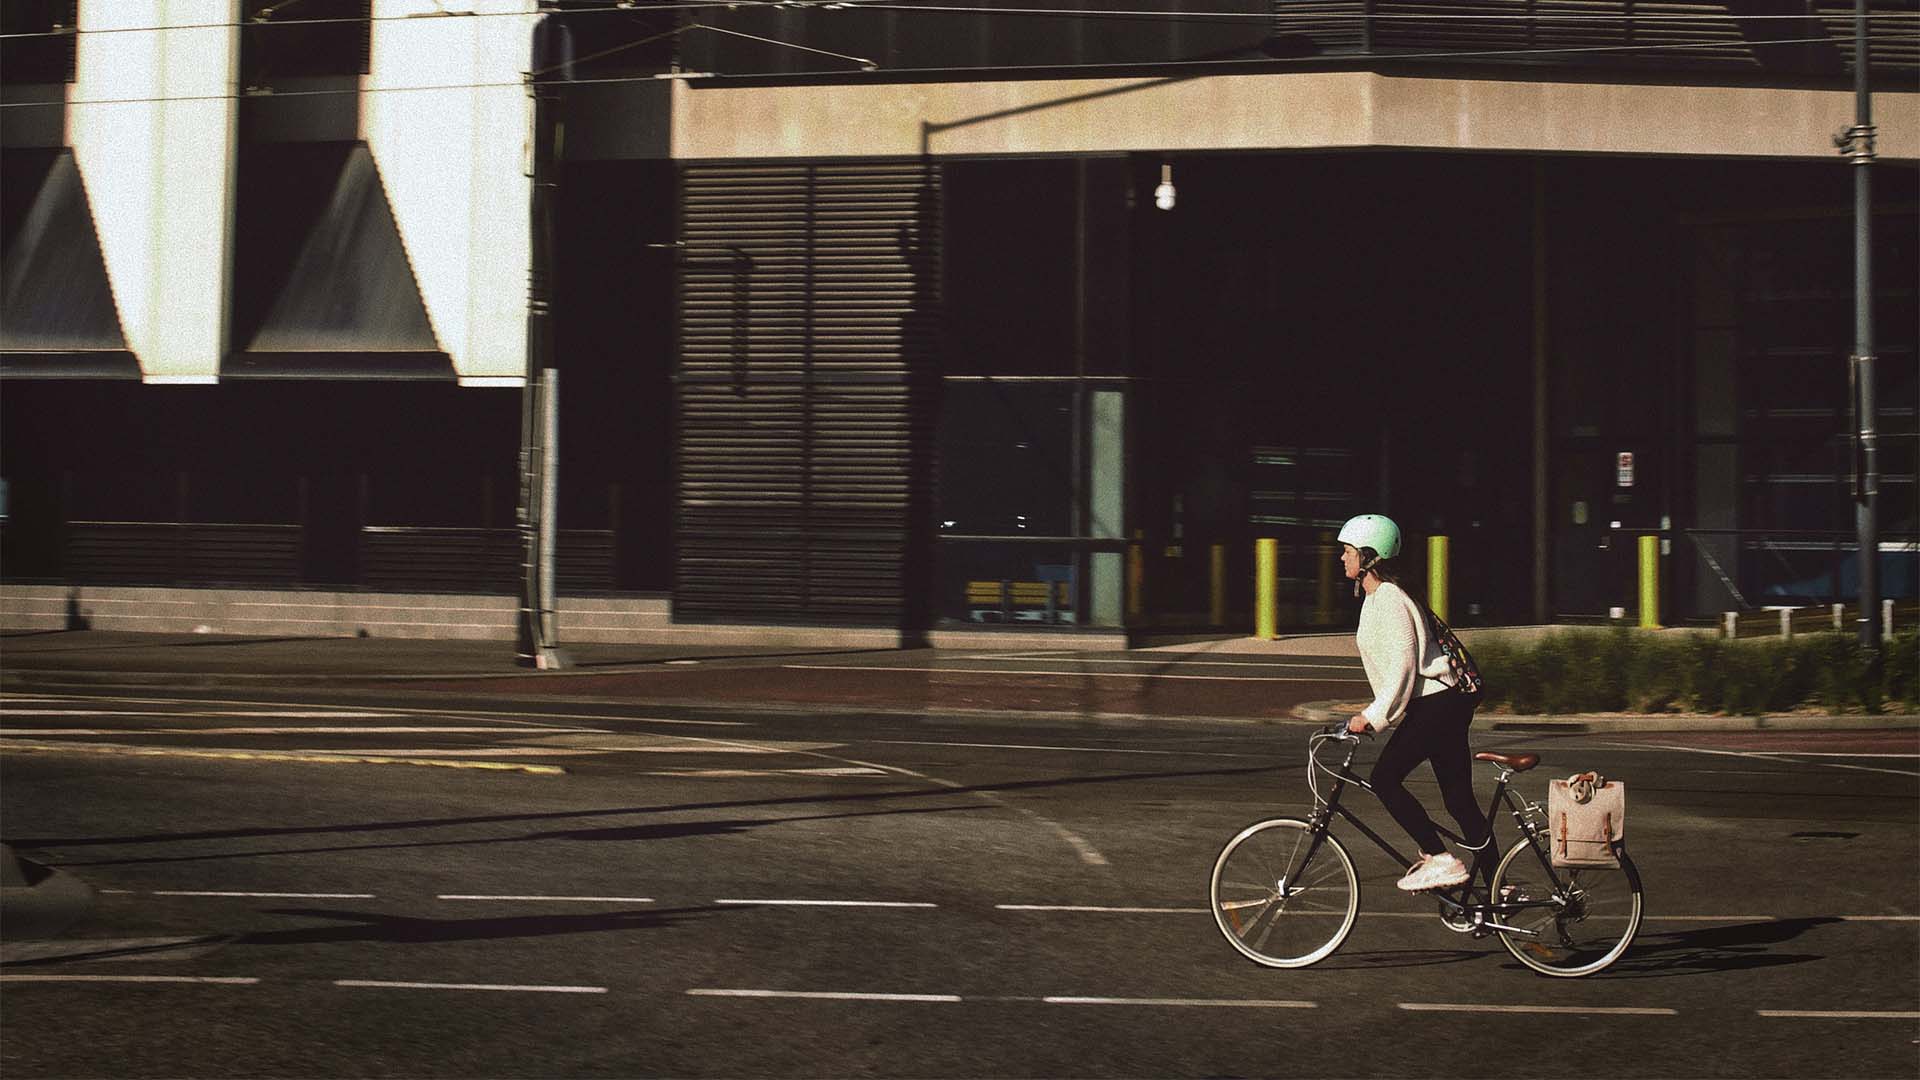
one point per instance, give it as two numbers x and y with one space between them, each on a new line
874 319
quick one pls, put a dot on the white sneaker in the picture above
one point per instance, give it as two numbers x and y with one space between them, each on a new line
1441 871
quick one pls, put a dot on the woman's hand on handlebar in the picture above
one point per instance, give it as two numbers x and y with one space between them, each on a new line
1359 725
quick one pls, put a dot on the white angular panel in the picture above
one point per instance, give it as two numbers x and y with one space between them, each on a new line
151 120
446 113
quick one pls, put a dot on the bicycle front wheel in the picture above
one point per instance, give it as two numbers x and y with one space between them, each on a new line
1568 932
1274 905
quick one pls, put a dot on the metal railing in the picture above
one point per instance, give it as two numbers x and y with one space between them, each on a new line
169 552
435 559
1761 568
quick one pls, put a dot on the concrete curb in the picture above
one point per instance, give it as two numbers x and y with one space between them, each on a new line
1325 712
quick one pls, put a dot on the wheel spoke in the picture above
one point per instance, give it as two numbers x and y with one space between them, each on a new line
1300 927
1584 931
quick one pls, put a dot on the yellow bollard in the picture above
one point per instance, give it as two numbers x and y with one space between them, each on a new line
1437 575
1329 561
1217 611
1266 591
1650 583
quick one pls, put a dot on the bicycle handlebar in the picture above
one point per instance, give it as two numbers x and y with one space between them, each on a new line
1337 729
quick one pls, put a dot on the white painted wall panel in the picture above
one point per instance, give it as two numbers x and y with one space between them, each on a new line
1297 111
448 118
160 172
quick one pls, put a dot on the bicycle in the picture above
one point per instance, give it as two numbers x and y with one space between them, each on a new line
1284 891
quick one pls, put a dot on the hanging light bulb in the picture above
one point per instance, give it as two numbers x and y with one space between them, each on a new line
1163 195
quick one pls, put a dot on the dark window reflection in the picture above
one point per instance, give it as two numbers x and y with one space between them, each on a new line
1010 267
1006 459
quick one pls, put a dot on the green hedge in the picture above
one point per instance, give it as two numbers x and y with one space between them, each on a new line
1625 670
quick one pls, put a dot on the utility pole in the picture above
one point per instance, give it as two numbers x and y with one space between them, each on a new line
537 634
1856 143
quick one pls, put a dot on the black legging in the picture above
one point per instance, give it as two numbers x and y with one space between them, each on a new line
1435 730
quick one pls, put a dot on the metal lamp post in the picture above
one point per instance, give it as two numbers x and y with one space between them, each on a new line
1856 143
537 633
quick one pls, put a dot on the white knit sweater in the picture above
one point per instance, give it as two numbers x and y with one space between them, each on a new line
1402 659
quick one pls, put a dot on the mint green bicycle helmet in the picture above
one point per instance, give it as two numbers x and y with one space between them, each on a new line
1374 531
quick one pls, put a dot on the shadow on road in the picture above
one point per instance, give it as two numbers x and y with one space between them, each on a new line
404 929
662 831
718 828
1686 952
1397 958
942 792
1715 949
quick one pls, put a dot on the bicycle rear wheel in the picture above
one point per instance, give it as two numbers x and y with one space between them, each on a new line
1579 933
1276 908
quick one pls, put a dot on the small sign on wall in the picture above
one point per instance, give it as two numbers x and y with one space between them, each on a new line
1623 469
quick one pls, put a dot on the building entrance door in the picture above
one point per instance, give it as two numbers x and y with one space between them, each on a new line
1605 499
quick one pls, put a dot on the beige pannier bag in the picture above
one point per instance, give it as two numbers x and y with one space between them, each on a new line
1586 817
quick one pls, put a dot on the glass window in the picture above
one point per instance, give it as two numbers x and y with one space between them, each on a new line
1010 267
1006 459
1007 582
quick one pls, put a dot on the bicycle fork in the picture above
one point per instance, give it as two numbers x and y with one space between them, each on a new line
1317 829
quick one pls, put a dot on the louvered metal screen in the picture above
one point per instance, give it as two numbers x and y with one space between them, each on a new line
1645 33
808 298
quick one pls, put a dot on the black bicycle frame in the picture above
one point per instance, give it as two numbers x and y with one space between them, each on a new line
1457 900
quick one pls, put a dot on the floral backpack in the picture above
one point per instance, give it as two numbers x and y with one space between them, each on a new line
1466 674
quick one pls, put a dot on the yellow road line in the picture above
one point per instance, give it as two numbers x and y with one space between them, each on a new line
9 745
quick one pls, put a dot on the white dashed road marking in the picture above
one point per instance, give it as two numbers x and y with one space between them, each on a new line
10 711
827 995
339 730
567 899
1103 910
1071 749
1812 1014
384 985
271 895
832 903
130 979
951 999
1575 1010
1226 1003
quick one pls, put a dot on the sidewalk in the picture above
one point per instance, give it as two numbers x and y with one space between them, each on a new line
738 675
107 656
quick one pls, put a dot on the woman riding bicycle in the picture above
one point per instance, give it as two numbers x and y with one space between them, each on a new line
1408 672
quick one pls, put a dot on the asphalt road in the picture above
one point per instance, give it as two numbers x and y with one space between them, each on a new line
408 884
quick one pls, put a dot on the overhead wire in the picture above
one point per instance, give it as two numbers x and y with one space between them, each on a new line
1157 65
896 6
324 20
862 61
1837 14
